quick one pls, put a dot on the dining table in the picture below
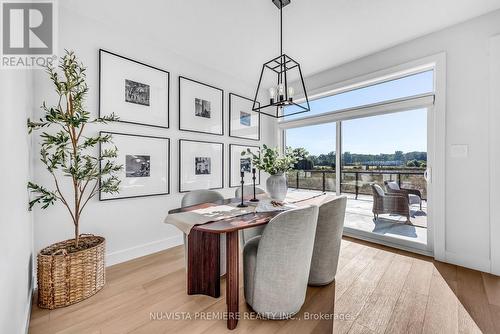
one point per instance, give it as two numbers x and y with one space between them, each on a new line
203 243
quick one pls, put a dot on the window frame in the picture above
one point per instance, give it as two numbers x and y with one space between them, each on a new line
362 82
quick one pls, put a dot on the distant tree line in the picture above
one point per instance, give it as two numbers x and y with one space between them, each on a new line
398 158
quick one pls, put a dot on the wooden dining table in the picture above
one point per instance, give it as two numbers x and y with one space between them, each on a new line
203 264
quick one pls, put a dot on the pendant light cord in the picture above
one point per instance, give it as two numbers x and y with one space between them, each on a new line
281 27
280 80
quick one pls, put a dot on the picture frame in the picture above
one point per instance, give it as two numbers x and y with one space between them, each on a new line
207 165
201 107
236 164
146 165
135 92
244 123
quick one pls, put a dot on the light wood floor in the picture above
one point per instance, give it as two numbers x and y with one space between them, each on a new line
377 290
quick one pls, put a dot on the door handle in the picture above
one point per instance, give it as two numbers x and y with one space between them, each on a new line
428 175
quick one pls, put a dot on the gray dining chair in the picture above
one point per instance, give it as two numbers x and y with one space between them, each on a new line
326 252
276 265
249 233
248 191
205 196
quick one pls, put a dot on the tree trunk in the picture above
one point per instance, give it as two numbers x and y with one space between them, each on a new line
77 233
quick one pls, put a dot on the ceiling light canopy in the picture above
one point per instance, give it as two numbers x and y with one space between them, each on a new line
280 81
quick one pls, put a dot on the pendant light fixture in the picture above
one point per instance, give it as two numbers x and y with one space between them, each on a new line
280 81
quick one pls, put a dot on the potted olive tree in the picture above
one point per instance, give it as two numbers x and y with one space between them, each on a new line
270 161
72 270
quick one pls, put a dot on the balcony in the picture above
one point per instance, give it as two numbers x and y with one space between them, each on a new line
355 184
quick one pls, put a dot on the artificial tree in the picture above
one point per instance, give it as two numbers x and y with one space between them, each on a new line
68 152
269 159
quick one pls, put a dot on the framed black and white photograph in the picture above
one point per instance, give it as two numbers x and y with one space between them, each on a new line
146 165
243 121
201 107
239 163
135 92
137 165
201 165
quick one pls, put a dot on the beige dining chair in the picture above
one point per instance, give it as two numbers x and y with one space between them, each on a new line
204 196
248 191
326 252
276 265
249 233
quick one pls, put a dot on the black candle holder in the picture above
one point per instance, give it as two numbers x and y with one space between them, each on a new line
254 199
242 204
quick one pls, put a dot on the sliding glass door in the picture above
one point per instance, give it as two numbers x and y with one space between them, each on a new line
388 153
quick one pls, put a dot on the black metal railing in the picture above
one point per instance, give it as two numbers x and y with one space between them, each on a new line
355 181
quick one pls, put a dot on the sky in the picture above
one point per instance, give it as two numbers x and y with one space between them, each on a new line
403 131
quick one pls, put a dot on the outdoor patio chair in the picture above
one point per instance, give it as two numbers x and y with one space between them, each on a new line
390 203
414 195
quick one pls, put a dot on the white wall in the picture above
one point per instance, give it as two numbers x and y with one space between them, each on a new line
467 230
132 227
495 152
16 233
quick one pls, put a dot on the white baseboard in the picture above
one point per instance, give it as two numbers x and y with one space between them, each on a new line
142 250
468 261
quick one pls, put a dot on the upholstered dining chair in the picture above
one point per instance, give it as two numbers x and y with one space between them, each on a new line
327 242
414 195
276 265
205 196
249 233
248 191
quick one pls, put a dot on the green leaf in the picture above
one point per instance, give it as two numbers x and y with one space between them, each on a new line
42 196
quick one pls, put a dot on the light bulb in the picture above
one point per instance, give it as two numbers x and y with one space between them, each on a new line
272 94
281 91
290 93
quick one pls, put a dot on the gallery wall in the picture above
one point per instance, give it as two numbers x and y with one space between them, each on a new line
468 239
132 227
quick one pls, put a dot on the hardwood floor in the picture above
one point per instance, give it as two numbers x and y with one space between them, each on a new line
377 290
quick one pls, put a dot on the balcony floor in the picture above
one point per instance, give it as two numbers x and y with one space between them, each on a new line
359 216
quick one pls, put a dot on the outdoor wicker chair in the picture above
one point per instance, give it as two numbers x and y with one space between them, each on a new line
391 203
414 195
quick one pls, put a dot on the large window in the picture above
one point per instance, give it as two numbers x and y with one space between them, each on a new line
416 84
379 152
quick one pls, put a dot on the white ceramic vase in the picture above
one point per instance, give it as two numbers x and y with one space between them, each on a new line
277 187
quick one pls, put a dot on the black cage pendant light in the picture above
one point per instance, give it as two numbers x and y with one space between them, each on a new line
280 81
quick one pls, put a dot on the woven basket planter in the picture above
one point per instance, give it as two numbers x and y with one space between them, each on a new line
66 278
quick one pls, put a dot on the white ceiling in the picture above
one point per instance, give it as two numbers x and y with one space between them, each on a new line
237 36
